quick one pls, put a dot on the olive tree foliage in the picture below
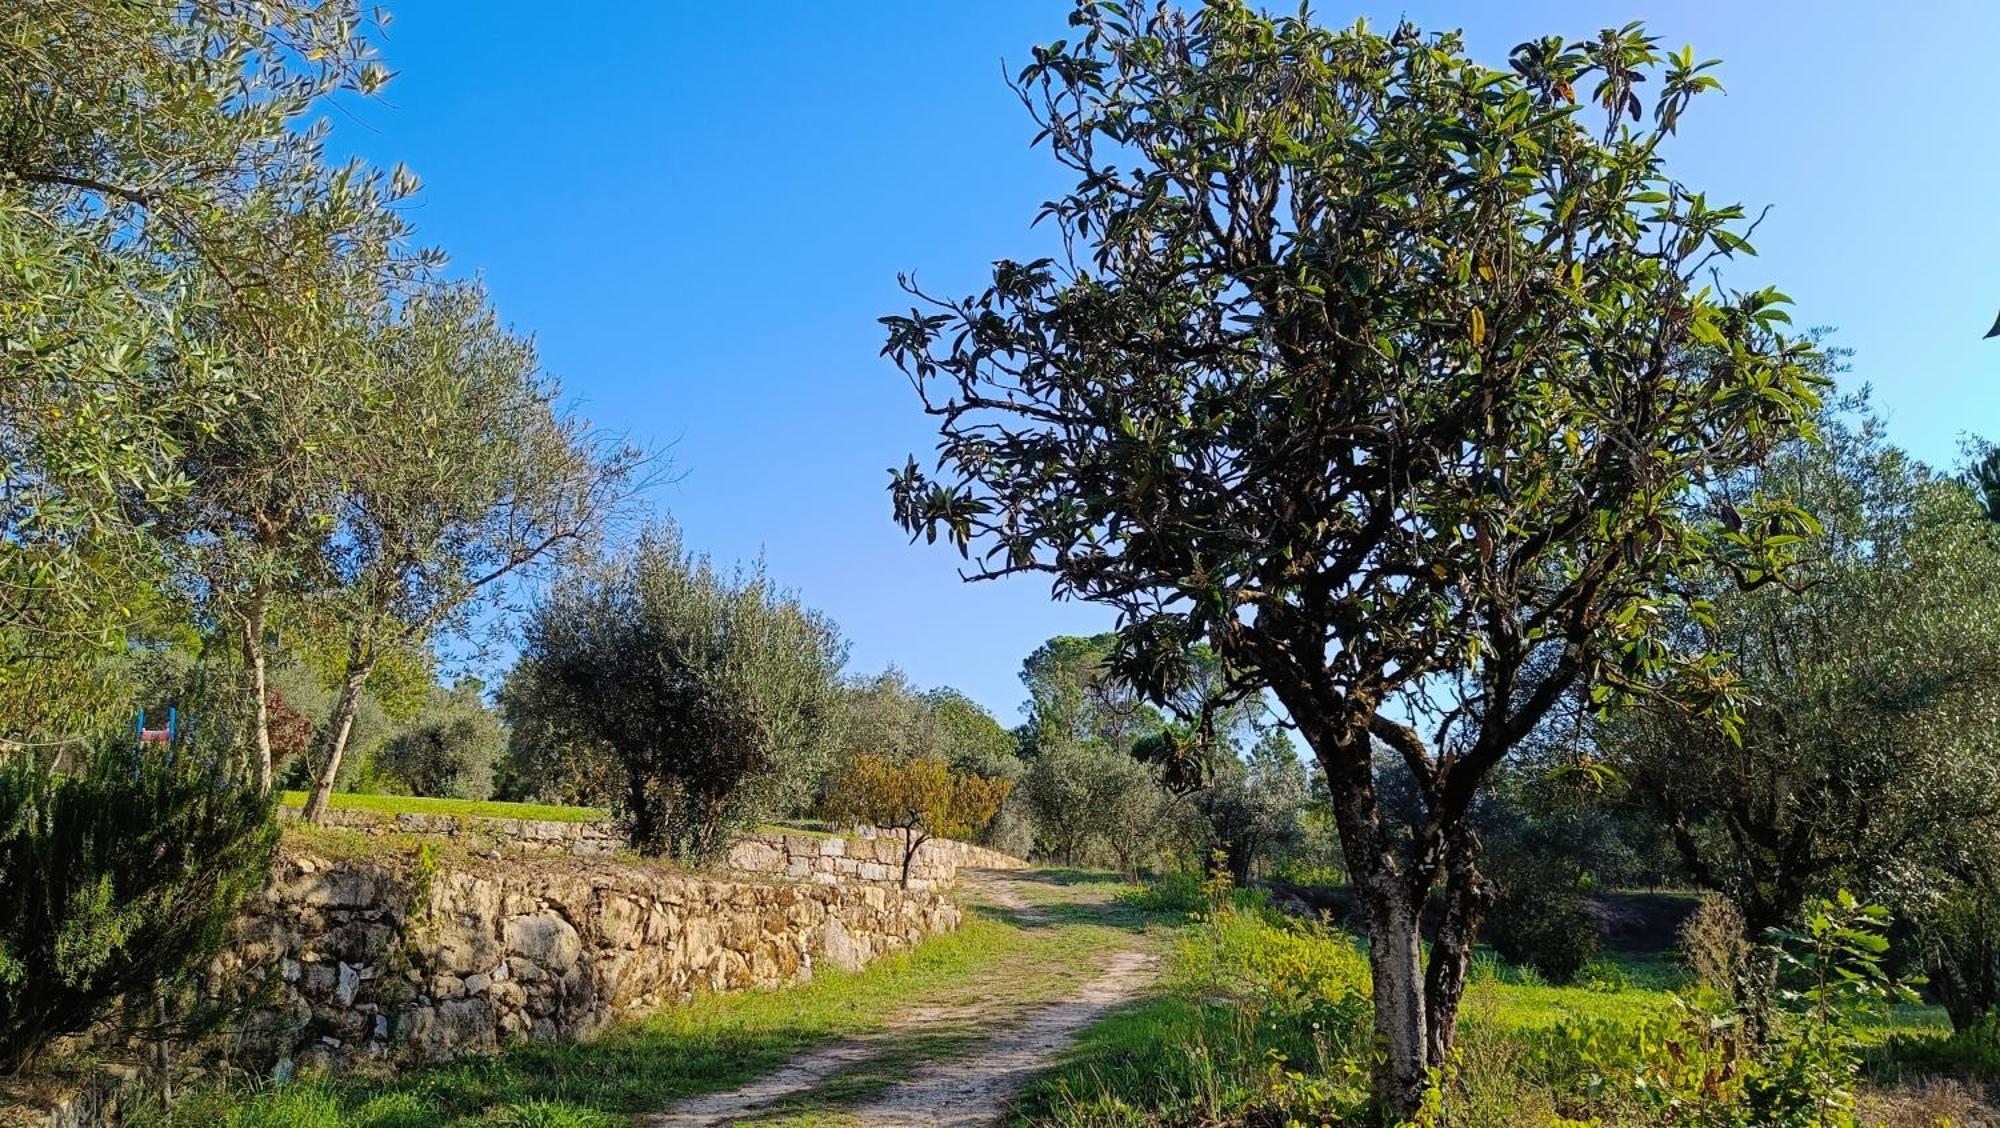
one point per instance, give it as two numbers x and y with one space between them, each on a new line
546 763
1255 803
1867 754
468 478
974 741
451 749
1393 377
169 226
1091 798
714 696
886 716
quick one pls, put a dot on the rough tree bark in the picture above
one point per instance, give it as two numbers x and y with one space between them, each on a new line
1416 1006
360 663
255 614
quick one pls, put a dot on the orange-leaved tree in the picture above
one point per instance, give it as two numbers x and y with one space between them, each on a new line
920 796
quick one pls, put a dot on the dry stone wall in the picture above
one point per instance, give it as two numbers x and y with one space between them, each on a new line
397 959
870 854
874 856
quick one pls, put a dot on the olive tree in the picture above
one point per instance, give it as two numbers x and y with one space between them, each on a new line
1392 377
1255 803
451 749
714 696
467 477
885 716
1867 753
168 225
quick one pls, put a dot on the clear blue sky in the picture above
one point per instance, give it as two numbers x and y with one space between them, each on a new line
700 210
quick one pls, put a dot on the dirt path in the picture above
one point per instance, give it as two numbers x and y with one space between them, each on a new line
954 1062
975 1090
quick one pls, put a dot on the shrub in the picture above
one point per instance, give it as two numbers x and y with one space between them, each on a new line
1606 976
116 883
1696 1067
1716 947
1180 892
712 694
1266 1021
1541 920
1299 975
1012 831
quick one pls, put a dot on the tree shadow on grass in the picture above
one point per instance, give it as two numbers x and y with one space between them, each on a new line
1113 910
1064 876
895 1059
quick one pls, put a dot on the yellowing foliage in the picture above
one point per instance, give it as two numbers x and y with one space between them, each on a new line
921 796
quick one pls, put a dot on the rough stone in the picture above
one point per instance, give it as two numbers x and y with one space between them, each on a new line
345 961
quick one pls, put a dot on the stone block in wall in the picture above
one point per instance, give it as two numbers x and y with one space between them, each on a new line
757 855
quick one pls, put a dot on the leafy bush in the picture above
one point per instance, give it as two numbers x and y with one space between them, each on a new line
1179 892
115 883
712 694
1542 920
1292 974
450 751
1266 1021
1605 975
1012 831
921 797
1696 1067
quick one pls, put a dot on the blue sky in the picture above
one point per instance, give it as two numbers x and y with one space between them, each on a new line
701 209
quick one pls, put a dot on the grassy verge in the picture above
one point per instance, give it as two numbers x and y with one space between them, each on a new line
1261 1019
461 808
1257 1019
392 805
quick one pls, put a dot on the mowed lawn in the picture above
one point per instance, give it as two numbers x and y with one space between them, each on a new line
393 805
450 808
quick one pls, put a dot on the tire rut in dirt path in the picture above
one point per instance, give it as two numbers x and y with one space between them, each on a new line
997 1048
975 1089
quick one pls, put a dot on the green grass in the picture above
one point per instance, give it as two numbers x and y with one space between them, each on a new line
461 808
1251 1003
392 805
1251 1027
